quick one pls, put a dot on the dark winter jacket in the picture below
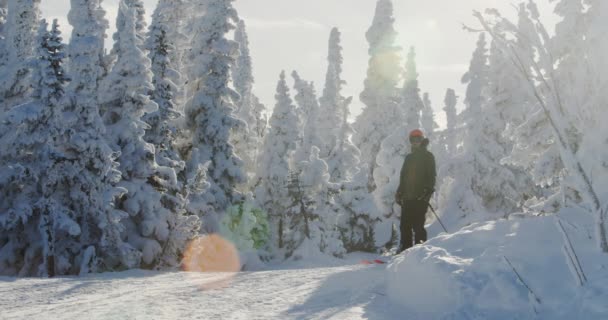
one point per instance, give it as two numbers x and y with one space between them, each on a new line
417 181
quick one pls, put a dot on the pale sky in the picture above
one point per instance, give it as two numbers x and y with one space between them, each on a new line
293 35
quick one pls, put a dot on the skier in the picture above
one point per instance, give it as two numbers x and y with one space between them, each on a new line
416 185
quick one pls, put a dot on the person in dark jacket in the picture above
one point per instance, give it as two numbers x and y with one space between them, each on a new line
416 185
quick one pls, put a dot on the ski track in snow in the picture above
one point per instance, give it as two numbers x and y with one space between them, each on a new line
344 292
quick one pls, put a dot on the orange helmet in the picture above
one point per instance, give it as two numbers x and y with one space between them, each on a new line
416 133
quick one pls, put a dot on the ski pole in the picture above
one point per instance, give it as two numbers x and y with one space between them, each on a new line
436 216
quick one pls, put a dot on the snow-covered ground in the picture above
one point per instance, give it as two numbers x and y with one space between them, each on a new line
463 275
348 291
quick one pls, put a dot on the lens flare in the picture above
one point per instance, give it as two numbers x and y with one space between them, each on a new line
211 253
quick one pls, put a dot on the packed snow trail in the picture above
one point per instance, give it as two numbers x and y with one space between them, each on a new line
345 292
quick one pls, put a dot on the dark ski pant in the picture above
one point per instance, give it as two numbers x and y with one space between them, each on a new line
413 216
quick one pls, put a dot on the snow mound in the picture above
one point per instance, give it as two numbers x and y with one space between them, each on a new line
470 274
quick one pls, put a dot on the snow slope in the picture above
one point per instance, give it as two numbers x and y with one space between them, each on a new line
463 275
349 291
468 274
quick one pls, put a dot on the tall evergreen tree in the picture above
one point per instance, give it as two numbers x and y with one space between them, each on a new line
152 223
162 133
19 45
451 117
313 214
360 214
381 115
93 181
273 166
344 159
332 101
427 119
3 17
121 21
86 50
308 112
172 15
464 201
411 102
210 112
36 225
247 142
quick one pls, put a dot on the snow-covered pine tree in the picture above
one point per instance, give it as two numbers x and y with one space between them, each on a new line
357 223
313 215
91 177
35 224
332 101
162 132
463 203
344 159
427 119
165 76
210 113
308 113
125 92
390 159
273 165
19 44
140 28
247 142
534 150
411 102
86 51
3 17
381 115
574 127
172 15
449 133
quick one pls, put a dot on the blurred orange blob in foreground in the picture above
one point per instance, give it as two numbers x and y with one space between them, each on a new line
211 253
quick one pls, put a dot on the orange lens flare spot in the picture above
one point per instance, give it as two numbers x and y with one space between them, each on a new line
211 253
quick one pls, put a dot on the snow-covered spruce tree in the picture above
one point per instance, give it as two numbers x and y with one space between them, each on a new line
161 133
35 225
91 177
332 101
567 121
344 159
273 164
313 215
247 142
3 17
171 14
140 27
411 102
152 223
449 133
308 113
390 159
427 119
210 113
463 203
381 115
358 221
20 34
534 150
86 51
